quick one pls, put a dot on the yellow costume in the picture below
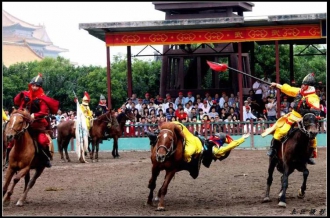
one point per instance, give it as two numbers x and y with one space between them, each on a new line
86 111
4 116
193 145
305 101
221 151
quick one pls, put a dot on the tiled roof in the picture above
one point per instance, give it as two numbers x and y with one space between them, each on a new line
10 53
41 34
10 20
55 48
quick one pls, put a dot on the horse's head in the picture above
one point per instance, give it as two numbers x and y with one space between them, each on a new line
167 140
129 114
309 125
18 123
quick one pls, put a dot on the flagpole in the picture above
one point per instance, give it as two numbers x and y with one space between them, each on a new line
241 72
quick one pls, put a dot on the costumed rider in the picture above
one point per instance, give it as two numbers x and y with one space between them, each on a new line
88 114
215 147
102 109
306 101
4 117
40 106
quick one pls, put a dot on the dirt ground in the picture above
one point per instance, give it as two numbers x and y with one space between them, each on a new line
117 187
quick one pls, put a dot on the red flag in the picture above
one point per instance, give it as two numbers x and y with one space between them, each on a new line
217 67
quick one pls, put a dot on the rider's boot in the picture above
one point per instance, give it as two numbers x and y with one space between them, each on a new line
194 167
152 137
311 160
274 147
207 154
46 157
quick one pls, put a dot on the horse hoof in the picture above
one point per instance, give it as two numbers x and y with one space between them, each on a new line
97 160
300 195
160 209
93 161
282 204
69 160
19 203
266 199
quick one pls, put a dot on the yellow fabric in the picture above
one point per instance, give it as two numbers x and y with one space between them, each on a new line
4 116
289 90
281 131
218 152
88 115
313 143
312 99
192 143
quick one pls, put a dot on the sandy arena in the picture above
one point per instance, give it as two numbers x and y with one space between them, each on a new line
117 187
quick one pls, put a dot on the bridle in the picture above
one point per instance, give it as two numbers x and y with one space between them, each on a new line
302 128
19 133
169 151
109 119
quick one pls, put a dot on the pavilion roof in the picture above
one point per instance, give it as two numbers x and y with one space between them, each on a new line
9 20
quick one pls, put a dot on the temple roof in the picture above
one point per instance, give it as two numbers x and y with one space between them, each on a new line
10 51
55 48
9 20
41 34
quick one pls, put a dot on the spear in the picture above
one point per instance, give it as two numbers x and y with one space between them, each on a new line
223 67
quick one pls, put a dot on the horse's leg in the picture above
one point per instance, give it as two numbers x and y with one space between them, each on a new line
285 184
9 175
116 148
60 146
152 183
271 167
163 190
91 153
30 185
65 145
26 179
115 140
17 177
301 193
97 144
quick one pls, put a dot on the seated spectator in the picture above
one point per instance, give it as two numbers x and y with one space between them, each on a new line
170 114
231 99
146 99
223 114
190 98
213 112
153 124
206 107
247 114
182 115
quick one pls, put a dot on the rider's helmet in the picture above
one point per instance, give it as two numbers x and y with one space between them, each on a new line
86 99
309 80
37 80
102 97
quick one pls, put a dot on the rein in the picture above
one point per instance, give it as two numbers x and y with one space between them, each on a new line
302 128
170 151
109 119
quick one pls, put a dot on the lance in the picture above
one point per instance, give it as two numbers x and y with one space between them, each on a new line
75 95
223 67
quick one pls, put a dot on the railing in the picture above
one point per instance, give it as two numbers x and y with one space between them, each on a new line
208 128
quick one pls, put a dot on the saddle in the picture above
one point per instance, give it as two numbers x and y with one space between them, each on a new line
39 148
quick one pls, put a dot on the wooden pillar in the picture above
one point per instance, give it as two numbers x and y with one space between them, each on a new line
181 73
252 59
164 72
215 75
277 65
199 73
129 72
291 63
109 77
240 81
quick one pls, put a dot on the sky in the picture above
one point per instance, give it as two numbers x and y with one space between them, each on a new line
62 19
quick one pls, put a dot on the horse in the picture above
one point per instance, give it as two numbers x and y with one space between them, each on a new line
116 132
293 154
4 144
23 156
98 129
167 153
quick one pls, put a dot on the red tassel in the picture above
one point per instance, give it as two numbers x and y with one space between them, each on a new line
217 67
40 74
87 95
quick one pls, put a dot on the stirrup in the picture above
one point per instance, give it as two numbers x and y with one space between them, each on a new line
271 152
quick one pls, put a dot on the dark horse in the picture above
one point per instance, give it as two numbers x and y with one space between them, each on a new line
166 154
293 154
23 156
66 131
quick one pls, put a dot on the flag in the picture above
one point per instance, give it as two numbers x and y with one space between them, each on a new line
217 67
81 134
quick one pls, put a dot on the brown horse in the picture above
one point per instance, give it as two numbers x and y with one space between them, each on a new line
166 154
66 131
293 154
4 143
23 156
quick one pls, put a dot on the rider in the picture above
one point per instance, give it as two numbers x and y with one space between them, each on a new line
39 106
4 117
86 111
102 109
306 101
219 151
